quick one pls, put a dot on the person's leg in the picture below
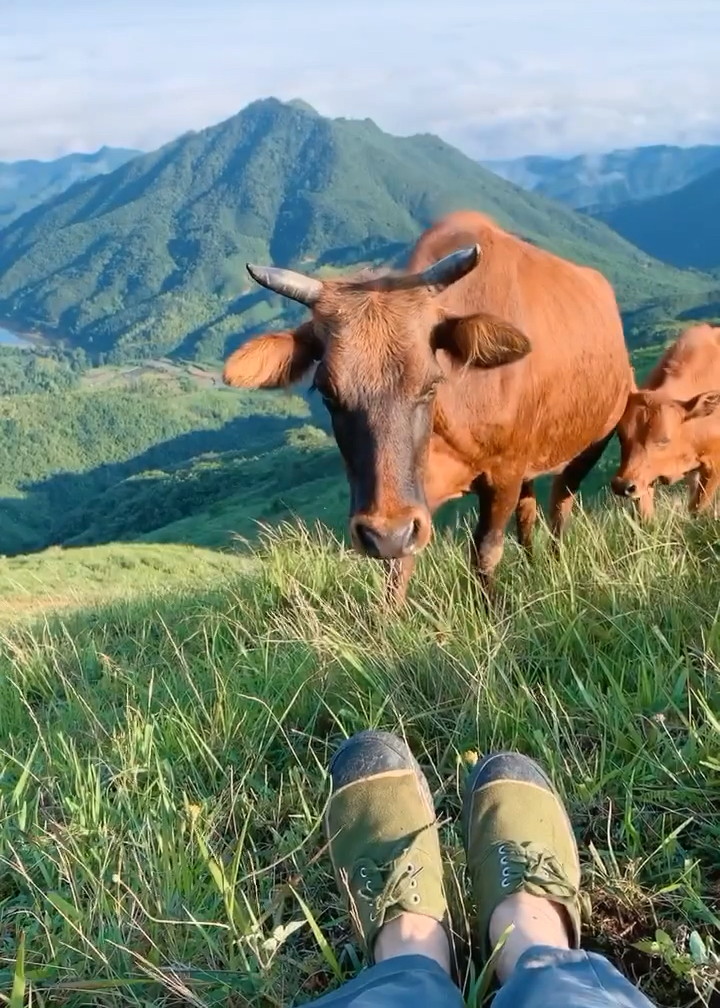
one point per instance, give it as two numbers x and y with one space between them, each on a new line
551 977
385 851
523 862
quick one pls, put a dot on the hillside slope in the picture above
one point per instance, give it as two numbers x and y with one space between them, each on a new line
59 580
150 258
165 743
682 228
25 184
602 181
62 450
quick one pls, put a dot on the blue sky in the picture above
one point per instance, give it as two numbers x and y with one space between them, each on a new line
497 77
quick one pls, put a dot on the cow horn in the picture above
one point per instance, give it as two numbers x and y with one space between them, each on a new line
290 284
451 267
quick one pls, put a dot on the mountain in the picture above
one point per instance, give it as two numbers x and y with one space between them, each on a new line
25 184
681 227
150 259
602 181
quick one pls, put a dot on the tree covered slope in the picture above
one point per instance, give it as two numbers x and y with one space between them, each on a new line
681 227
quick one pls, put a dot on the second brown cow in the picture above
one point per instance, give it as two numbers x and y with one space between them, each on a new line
671 427
488 363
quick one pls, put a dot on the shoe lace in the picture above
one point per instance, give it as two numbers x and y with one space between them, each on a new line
388 884
527 866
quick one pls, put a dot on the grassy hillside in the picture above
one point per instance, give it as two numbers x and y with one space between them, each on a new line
59 580
680 227
163 755
602 181
60 450
25 184
150 258
211 499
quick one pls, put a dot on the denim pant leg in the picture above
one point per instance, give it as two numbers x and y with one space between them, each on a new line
547 977
412 981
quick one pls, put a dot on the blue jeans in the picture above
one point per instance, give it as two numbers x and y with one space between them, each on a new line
544 978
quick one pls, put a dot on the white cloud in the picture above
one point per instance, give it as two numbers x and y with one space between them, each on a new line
552 76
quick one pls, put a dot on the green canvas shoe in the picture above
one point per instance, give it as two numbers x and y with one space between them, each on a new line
518 838
382 834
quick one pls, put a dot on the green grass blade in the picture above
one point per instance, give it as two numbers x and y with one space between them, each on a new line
327 952
17 994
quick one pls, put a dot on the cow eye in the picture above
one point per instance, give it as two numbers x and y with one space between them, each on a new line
662 442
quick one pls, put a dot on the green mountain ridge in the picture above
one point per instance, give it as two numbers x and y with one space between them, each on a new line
149 259
600 182
681 227
26 184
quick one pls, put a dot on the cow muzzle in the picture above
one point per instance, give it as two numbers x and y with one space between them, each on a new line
391 538
624 487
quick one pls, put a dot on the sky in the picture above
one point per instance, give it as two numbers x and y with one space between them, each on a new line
499 78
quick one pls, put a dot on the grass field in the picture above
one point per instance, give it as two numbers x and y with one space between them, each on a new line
60 579
163 751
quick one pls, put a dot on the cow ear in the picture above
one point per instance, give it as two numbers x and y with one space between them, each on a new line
274 360
700 405
482 340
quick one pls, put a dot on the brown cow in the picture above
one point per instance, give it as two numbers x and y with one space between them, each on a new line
671 426
487 364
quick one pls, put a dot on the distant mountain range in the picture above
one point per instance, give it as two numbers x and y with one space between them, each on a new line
150 258
25 184
600 182
681 227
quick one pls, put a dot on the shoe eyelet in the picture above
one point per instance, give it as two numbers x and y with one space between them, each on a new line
502 849
410 869
373 918
363 873
368 886
415 898
413 884
505 884
503 859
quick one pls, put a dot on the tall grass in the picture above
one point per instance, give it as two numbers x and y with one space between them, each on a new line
163 760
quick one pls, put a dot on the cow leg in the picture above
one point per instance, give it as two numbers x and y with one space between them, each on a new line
398 575
495 507
526 515
707 482
567 484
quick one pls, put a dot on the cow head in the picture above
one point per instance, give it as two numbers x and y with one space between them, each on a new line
377 344
656 441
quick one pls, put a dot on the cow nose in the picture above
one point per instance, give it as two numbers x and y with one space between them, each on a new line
623 487
387 542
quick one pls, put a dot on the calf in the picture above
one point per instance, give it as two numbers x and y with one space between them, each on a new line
670 429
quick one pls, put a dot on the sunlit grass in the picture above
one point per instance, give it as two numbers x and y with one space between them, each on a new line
59 579
163 757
